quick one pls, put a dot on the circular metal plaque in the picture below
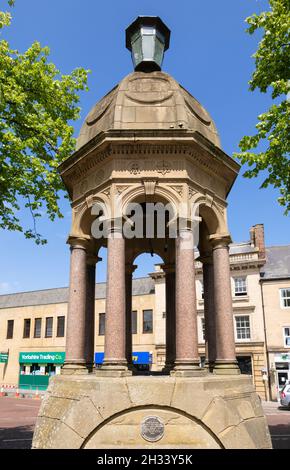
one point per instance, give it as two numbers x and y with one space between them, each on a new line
152 428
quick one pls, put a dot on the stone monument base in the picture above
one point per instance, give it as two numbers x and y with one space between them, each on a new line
209 412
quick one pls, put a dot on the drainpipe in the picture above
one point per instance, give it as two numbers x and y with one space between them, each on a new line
266 341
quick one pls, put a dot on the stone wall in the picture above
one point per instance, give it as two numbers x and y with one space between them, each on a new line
198 412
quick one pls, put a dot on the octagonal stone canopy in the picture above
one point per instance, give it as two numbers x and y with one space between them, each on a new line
148 101
149 137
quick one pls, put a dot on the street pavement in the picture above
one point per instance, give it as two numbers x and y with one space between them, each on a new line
18 416
279 424
17 420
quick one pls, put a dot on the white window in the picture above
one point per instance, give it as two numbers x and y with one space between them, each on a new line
202 329
285 298
286 331
240 286
243 330
201 290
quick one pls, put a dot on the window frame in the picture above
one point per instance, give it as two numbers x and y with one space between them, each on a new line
34 330
58 327
286 336
26 336
134 313
201 290
10 336
143 322
284 298
202 329
102 315
46 325
241 293
243 340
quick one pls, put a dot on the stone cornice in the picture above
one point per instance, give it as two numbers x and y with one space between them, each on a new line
148 142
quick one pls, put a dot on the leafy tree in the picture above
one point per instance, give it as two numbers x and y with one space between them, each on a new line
37 104
271 73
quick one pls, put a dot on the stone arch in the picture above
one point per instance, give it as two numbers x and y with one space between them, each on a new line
83 217
161 194
192 430
212 216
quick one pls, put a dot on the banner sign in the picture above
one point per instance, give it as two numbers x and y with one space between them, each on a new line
137 358
41 357
4 357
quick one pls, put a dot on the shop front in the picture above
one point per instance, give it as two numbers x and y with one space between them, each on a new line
142 360
36 368
282 366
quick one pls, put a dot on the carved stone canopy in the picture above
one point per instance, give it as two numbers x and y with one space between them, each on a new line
148 101
149 139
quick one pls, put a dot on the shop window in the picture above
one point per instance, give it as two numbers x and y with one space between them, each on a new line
245 364
285 298
37 328
240 286
102 319
10 328
50 369
48 327
26 329
60 327
35 369
243 330
147 321
286 331
134 322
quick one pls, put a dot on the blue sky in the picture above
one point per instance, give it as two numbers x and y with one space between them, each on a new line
210 55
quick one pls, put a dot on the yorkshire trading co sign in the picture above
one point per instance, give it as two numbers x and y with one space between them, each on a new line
42 357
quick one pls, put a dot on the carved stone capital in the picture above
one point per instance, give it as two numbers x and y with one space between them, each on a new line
220 240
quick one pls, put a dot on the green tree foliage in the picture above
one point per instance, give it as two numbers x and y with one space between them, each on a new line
271 73
37 104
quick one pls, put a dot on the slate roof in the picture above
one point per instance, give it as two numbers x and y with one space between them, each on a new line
141 286
277 264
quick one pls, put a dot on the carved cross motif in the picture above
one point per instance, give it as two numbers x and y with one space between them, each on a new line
134 168
163 167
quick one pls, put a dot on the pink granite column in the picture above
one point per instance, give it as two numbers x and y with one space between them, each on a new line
128 280
209 312
75 361
115 362
90 310
226 362
169 270
187 358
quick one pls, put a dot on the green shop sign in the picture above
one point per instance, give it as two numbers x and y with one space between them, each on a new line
4 357
41 357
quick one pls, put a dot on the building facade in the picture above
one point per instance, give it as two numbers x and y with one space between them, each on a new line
275 289
33 324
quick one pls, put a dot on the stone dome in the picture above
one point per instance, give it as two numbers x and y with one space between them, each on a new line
148 101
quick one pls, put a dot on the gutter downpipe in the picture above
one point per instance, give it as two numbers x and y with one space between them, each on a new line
266 341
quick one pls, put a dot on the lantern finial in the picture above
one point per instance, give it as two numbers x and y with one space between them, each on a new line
147 38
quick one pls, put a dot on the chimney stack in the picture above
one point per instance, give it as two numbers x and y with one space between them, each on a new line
258 239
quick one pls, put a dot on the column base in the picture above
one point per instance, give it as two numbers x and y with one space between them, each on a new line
224 367
209 366
168 368
112 369
71 368
187 369
90 366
